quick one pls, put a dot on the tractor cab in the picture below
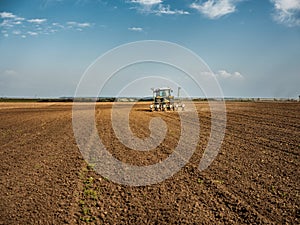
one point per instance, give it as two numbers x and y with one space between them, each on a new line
163 100
162 92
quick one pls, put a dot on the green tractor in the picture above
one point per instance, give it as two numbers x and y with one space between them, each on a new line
164 100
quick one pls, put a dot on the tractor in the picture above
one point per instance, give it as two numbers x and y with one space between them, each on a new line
163 100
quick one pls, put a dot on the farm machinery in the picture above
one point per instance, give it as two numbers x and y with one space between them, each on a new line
163 100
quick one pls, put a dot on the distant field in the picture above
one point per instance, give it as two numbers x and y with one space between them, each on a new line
254 179
133 99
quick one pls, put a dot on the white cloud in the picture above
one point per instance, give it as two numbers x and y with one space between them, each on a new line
156 7
166 10
72 24
287 12
83 24
19 18
18 22
8 15
16 32
215 9
139 29
5 15
6 23
32 33
226 75
37 21
57 25
11 24
147 2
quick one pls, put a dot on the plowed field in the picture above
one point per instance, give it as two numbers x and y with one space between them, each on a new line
253 180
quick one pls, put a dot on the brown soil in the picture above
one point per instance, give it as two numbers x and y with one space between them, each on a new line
253 180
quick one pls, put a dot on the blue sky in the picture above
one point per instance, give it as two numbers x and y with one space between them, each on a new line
252 46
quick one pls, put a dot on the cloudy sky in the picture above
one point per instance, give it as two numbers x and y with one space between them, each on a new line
253 47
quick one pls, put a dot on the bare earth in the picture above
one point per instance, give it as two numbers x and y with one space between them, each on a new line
253 180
